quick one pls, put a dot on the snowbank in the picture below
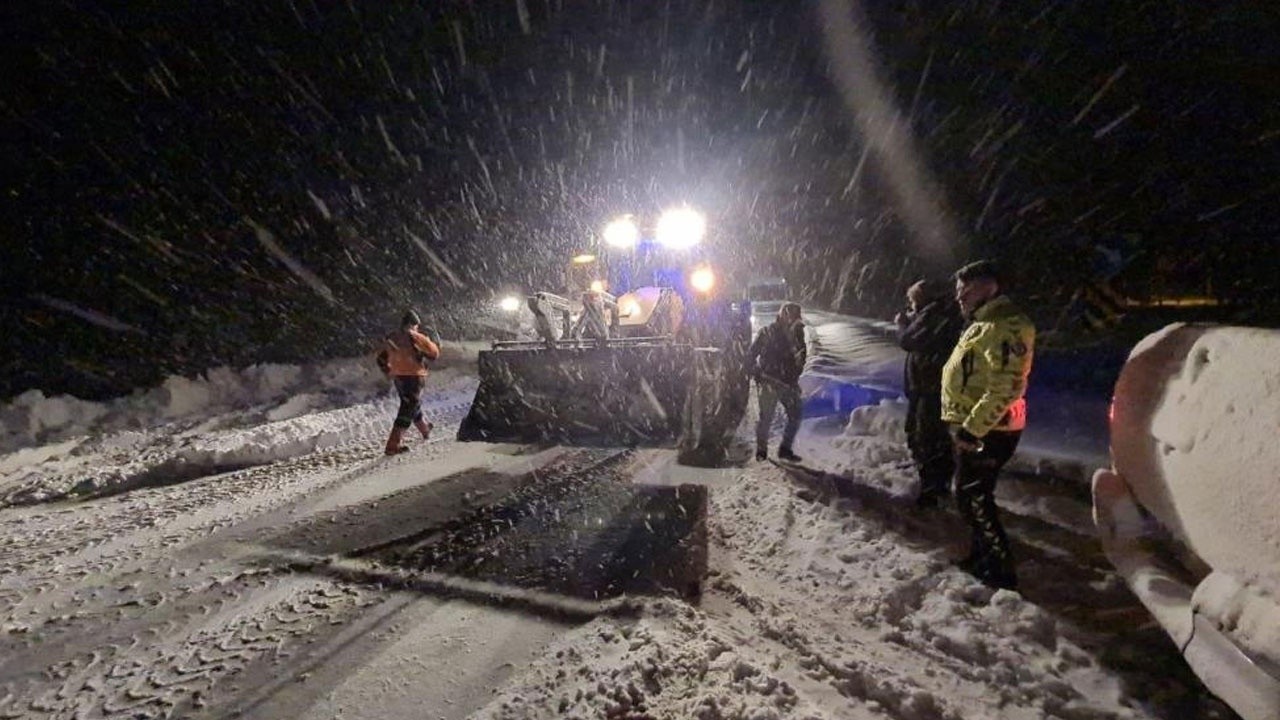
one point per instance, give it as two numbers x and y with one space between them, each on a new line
283 391
32 418
190 428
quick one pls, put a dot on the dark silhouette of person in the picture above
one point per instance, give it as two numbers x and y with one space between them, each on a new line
777 357
928 331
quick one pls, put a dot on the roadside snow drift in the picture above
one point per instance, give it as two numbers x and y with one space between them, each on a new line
189 428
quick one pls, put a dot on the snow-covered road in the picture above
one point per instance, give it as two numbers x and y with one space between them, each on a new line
322 580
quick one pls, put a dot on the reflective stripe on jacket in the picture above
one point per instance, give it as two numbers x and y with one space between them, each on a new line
985 379
405 350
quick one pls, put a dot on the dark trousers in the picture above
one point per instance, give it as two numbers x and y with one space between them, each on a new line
930 444
976 499
770 394
409 388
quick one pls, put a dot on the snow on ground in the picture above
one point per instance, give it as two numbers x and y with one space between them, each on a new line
831 597
828 595
189 428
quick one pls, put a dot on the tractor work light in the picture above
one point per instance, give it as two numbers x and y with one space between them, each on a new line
681 228
622 233
510 303
597 286
583 259
702 280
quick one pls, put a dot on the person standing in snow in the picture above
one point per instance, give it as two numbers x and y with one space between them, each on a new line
404 357
777 358
983 386
928 330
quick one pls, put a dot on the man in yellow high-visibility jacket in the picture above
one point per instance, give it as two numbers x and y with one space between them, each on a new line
983 387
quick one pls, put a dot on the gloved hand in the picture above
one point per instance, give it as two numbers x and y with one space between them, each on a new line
965 441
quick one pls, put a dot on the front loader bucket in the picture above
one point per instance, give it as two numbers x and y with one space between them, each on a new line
624 393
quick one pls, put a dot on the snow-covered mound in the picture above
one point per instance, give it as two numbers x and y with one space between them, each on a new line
188 428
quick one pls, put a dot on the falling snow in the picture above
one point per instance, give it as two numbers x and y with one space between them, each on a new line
438 155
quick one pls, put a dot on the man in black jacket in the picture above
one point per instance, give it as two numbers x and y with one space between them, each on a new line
928 331
777 357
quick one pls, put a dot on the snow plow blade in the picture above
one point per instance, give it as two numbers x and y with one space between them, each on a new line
628 392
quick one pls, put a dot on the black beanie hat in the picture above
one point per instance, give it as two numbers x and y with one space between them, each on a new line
410 318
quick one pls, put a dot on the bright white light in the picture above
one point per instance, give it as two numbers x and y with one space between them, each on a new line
510 303
681 228
622 233
597 286
703 280
583 259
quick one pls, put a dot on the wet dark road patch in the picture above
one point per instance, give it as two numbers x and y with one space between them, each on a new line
578 527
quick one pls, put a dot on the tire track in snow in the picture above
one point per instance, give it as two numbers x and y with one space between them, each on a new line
119 576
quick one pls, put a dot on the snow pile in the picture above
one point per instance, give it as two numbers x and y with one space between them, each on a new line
33 419
872 449
31 416
224 421
673 662
1251 618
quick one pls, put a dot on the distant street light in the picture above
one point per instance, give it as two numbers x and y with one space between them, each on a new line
681 228
622 233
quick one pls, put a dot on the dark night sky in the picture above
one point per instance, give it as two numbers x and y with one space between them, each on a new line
230 181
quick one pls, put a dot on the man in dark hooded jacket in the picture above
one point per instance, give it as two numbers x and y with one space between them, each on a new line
928 331
777 357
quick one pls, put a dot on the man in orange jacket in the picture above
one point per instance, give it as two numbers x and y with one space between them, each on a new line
404 356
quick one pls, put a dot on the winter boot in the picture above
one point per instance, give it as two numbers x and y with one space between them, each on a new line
997 576
762 454
968 563
989 571
785 453
928 500
424 427
395 442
